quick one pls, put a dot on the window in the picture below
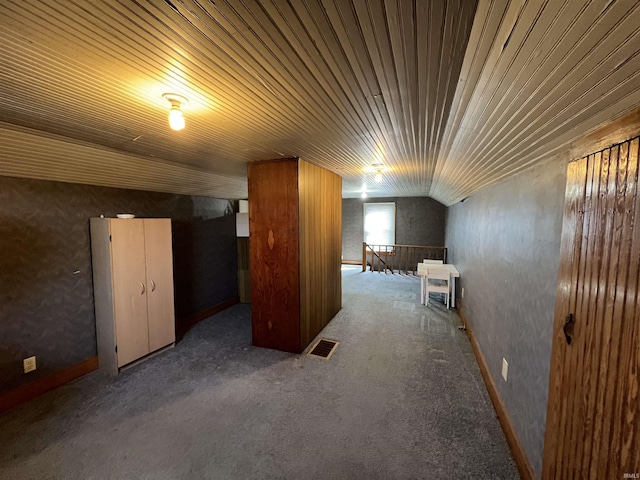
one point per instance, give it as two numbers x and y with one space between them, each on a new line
380 223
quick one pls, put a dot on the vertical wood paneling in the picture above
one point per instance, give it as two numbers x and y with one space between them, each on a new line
274 254
618 277
605 320
295 228
579 435
591 422
581 265
565 301
624 442
320 249
598 325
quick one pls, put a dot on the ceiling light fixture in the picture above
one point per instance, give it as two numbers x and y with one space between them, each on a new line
176 118
378 168
363 195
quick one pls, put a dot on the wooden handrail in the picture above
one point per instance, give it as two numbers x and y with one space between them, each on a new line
395 257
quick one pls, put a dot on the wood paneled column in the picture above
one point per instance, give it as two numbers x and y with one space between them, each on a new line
295 229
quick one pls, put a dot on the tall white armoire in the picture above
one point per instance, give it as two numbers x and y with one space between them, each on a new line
133 288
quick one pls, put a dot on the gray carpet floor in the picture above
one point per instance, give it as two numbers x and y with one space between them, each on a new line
401 398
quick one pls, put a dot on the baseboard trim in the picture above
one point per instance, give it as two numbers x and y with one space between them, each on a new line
24 393
41 386
186 323
352 262
519 456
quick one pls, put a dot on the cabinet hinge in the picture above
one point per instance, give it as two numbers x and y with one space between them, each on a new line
116 348
109 238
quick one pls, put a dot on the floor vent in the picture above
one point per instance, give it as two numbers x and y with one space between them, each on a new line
323 348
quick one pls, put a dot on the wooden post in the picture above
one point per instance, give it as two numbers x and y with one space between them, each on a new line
364 256
393 258
406 261
414 265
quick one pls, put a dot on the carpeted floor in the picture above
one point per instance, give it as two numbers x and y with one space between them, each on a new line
401 398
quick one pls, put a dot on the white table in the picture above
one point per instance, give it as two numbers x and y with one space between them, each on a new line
453 272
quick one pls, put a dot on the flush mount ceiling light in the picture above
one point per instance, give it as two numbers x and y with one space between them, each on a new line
378 168
176 119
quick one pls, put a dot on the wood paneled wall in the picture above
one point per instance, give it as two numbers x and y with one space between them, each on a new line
592 421
274 252
320 248
295 212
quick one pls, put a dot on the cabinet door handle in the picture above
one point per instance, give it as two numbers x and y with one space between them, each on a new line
141 288
153 286
567 323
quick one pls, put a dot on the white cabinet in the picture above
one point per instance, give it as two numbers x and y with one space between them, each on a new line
133 288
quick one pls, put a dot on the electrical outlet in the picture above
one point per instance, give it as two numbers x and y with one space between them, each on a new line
29 364
505 369
462 293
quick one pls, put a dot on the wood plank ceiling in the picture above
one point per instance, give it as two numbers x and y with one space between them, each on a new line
450 95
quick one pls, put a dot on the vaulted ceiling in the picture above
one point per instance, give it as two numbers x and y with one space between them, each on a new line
449 95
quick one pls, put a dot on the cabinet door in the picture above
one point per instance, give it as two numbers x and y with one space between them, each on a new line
157 234
129 289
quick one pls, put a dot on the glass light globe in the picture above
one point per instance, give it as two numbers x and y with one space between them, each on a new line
176 119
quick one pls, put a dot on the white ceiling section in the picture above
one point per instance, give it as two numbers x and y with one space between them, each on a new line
448 96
